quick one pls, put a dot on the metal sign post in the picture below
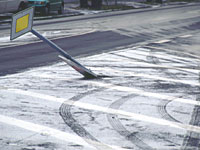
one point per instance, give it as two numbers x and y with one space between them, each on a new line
67 58
22 23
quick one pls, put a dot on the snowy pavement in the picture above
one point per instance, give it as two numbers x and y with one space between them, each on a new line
146 102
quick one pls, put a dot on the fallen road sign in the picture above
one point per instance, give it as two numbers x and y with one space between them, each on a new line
22 23
78 67
65 56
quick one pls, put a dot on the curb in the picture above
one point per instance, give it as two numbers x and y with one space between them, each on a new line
141 9
46 17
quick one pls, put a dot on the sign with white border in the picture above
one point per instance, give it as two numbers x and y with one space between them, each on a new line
22 23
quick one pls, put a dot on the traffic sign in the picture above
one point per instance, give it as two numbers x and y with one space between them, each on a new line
67 58
22 23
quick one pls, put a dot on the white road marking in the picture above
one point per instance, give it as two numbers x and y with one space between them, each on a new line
162 41
186 36
43 130
144 93
162 55
165 49
146 76
123 73
133 116
144 64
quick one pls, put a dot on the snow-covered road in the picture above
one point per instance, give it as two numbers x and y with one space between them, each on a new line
146 102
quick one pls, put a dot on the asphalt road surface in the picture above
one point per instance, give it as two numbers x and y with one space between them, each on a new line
105 32
150 99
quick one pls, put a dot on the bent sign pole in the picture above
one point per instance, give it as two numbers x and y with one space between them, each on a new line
22 23
67 58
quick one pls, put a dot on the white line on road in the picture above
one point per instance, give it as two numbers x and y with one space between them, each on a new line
186 36
134 116
145 64
144 93
164 56
43 130
64 136
119 72
146 76
182 52
162 41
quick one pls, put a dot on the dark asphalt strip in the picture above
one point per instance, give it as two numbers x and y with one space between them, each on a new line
14 59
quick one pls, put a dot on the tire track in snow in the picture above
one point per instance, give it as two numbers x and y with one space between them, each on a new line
65 112
117 125
150 65
163 104
161 108
191 140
